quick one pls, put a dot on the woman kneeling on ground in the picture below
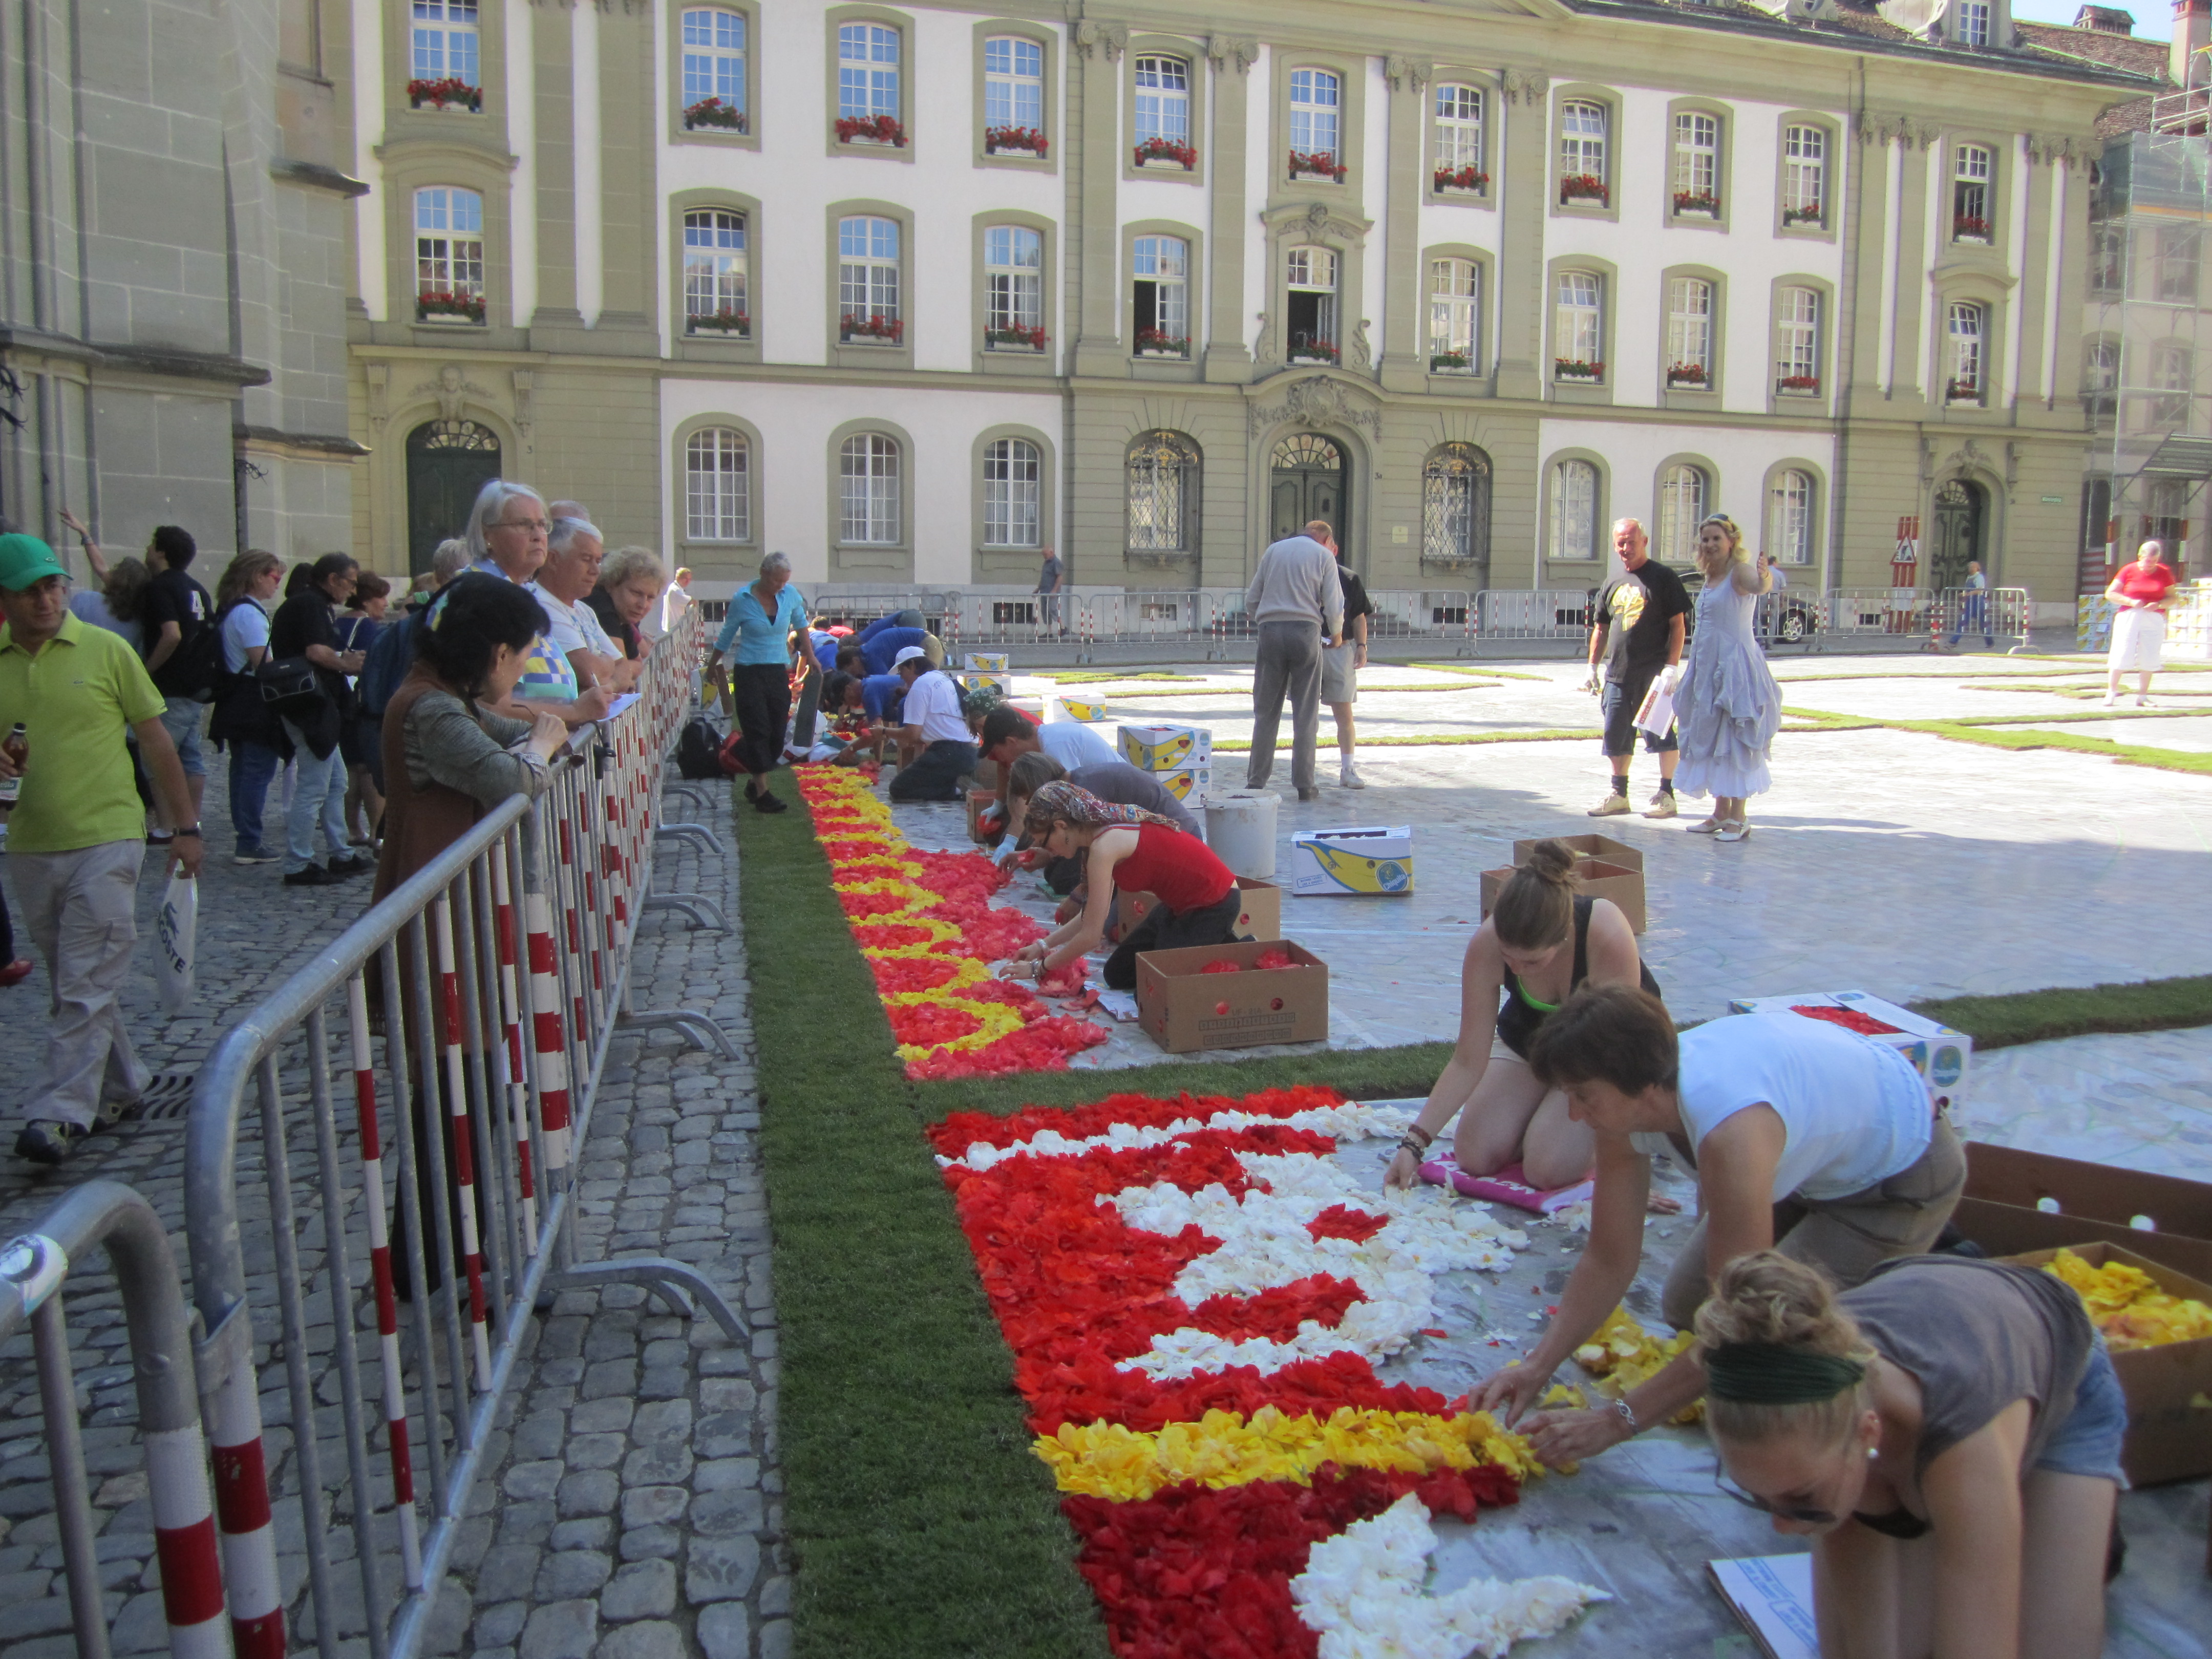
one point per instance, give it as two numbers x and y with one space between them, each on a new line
1802 1136
1947 1434
1543 939
1139 852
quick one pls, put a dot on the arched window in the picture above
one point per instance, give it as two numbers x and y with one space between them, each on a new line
718 497
1689 332
2100 375
1972 169
1014 476
868 281
1314 102
867 71
1459 137
1582 151
1804 176
1697 163
1682 496
1968 323
449 254
1578 327
1456 507
1454 317
1013 82
868 477
1574 510
1311 308
1163 108
1162 480
444 42
1013 300
1160 296
1798 358
1790 518
714 70
714 273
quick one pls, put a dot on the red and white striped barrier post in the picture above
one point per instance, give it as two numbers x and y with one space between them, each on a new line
241 1507
463 1173
510 1009
185 1543
548 1034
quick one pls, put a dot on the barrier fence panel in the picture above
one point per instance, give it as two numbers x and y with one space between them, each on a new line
34 1269
985 620
1442 617
1957 616
1142 616
469 1015
1541 613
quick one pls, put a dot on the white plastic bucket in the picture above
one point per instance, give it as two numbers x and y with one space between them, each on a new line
1240 827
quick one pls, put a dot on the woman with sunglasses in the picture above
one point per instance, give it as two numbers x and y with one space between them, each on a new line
1948 1435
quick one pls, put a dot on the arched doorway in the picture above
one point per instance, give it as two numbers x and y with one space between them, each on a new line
1306 483
1961 515
448 462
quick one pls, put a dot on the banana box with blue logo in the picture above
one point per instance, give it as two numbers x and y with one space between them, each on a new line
1352 861
1940 1054
975 680
1166 748
987 662
1186 783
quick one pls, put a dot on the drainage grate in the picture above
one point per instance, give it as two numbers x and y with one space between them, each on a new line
168 1098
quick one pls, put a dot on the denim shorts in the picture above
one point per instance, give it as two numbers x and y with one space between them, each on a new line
182 718
2089 1441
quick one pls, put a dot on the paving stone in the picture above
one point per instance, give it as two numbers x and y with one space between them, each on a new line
594 1451
535 1479
726 1472
509 1572
650 1543
720 1568
591 1533
561 1630
656 1639
568 1573
643 1589
499 1626
591 1491
726 1631
602 1416
648 1506
776 1639
727 1513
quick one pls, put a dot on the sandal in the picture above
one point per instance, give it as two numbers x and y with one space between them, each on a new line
1709 827
1733 830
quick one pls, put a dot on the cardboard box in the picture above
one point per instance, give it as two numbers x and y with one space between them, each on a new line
1078 709
1166 748
1602 847
1182 1008
2168 1439
1939 1054
979 802
1378 860
987 662
1261 919
1602 879
973 682
1187 783
2018 1200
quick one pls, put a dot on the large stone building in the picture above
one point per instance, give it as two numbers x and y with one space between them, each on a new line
173 272
911 291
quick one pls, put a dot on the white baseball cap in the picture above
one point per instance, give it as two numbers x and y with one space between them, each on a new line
909 653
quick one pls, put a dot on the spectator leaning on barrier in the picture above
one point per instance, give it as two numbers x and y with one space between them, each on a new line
507 536
764 636
304 627
182 653
574 550
936 752
76 841
243 720
1296 602
630 581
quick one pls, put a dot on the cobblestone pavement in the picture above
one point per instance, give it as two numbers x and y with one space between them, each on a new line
630 1502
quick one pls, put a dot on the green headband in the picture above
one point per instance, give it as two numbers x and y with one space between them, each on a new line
1761 1374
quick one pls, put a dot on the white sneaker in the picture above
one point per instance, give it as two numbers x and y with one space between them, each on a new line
2112 699
2142 703
1662 805
1349 779
1613 806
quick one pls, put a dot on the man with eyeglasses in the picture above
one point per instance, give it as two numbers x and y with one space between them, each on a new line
507 536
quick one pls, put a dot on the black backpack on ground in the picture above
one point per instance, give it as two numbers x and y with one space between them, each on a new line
698 749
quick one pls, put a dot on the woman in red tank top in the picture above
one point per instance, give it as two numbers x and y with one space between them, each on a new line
2139 591
1129 847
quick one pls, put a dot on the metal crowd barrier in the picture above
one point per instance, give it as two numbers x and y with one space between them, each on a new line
1539 613
1144 616
1957 615
1429 616
480 998
33 1269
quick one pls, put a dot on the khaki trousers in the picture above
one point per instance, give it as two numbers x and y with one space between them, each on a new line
82 908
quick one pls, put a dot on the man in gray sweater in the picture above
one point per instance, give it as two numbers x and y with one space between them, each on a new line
1295 599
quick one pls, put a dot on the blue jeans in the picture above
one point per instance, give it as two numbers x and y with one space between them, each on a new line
321 795
2089 1441
253 769
1973 612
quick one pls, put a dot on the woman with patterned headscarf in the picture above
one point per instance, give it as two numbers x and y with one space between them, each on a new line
1139 852
1729 707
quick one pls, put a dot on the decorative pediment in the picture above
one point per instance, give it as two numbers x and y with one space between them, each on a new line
453 391
1317 400
1316 221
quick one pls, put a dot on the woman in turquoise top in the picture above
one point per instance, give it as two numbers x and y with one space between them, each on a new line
764 617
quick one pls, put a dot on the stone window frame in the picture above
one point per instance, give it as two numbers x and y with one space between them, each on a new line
1600 546
1484 558
2154 388
1707 396
413 164
1831 167
689 346
1724 169
1295 224
1351 72
677 132
1194 505
1047 499
1599 390
992 28
2101 401
1485 346
1163 368
1040 363
841 355
1485 82
1954 285
487 125
1594 92
1710 469
1998 194
1824 352
1769 485
833 19
833 526
697 552
1193 52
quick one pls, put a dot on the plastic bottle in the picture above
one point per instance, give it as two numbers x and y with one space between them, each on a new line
17 747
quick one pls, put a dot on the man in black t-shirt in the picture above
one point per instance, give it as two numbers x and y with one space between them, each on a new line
182 651
1339 665
1636 638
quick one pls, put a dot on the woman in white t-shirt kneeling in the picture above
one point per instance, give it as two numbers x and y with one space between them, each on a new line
1802 1136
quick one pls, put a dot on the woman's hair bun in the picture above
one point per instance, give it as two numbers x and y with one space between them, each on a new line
1553 862
1770 1300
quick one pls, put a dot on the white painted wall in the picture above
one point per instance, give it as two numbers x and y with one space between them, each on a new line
368 133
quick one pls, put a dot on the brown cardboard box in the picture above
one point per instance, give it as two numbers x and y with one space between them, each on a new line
2168 1439
2094 1204
1589 847
1602 879
1182 1008
979 800
1261 917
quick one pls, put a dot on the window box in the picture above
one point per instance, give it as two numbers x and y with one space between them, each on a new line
443 306
1585 187
714 114
871 130
1970 228
1157 150
1473 180
1962 392
872 330
1698 201
1156 343
1798 385
1813 214
1015 338
1316 164
1028 139
1451 362
1573 369
1315 351
730 324
450 93
1688 374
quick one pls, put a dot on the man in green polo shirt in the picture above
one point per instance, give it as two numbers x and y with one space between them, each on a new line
75 837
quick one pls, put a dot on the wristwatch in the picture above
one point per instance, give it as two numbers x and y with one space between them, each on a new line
194 832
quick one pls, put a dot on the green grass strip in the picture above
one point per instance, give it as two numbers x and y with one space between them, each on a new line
1246 691
1104 677
1471 668
2001 1021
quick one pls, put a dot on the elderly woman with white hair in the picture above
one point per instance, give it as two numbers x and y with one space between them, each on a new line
763 636
506 534
2139 591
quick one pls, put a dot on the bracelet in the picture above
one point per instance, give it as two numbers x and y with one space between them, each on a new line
1407 1143
1627 1414
1428 1139
194 832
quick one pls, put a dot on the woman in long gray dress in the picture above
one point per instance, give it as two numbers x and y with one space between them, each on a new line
1729 707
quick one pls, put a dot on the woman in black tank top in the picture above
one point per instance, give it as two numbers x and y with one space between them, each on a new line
1542 940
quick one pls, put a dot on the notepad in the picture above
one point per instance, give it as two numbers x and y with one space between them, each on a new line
1773 1597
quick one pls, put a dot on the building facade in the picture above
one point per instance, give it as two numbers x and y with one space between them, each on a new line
173 274
911 292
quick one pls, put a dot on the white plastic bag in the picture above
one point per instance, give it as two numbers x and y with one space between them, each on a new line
173 931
